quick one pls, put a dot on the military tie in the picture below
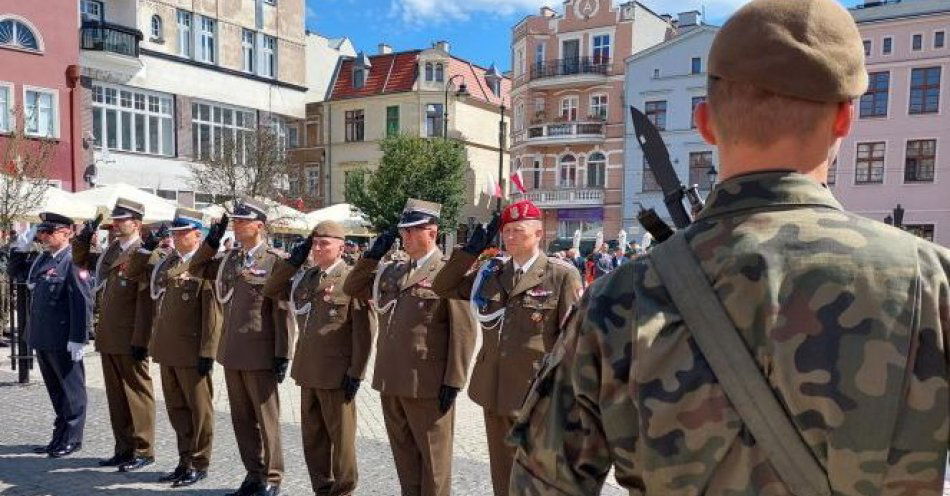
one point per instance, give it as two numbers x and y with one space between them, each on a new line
517 278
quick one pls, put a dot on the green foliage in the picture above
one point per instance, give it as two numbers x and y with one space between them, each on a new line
411 167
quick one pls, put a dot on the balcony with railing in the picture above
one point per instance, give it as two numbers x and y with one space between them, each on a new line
560 72
109 51
563 132
553 198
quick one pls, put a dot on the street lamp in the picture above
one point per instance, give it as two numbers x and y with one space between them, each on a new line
712 173
461 93
899 216
501 151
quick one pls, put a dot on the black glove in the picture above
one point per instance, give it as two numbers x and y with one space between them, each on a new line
382 245
447 396
482 236
151 240
350 387
216 232
139 353
88 229
280 368
299 254
204 366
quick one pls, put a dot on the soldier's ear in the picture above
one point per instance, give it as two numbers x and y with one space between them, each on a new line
704 123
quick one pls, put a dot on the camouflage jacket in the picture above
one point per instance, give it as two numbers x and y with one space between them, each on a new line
847 318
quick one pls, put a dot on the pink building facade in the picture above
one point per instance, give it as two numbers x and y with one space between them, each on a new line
899 150
39 74
567 133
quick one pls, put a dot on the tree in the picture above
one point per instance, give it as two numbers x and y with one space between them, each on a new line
250 163
24 177
411 167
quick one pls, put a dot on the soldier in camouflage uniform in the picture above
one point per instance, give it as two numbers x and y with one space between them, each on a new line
844 316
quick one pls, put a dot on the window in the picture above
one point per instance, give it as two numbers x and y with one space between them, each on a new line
925 231
270 2
15 34
925 90
919 162
939 39
247 48
569 108
157 28
439 72
596 170
832 172
392 120
206 51
219 132
649 179
359 77
602 49
874 102
6 107
354 125
132 120
293 140
520 62
434 120
269 57
429 71
869 165
539 57
536 175
313 180
168 194
696 65
699 164
598 107
656 113
567 173
692 114
184 33
888 46
656 73
90 10
867 48
519 117
917 42
39 113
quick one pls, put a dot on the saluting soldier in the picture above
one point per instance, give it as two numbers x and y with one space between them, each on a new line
122 343
520 302
255 344
187 326
60 319
331 355
423 349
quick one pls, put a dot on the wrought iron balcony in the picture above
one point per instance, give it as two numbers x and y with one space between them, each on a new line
112 38
565 197
571 67
563 132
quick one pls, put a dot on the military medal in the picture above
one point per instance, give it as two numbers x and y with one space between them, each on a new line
537 317
184 296
332 312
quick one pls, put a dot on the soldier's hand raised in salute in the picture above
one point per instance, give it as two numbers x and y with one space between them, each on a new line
447 396
88 229
300 252
216 232
481 237
151 240
382 245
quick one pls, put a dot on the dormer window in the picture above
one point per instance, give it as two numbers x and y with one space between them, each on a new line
359 77
493 80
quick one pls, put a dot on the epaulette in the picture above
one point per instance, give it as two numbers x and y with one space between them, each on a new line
561 262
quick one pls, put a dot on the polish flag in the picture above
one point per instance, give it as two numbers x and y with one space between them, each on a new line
492 188
518 181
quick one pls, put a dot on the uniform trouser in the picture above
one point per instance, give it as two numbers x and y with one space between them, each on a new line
255 415
328 425
188 401
500 455
421 439
66 384
131 404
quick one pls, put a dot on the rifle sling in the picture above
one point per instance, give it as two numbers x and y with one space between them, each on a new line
735 369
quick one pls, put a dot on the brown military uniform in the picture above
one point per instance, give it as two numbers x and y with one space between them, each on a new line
514 342
121 325
187 326
335 340
424 342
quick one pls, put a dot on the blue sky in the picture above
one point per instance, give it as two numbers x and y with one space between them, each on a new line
479 30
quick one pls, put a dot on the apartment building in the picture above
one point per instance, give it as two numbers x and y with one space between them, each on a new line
899 149
666 82
39 79
414 92
568 109
169 81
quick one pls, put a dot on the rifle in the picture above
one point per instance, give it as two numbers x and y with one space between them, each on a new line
657 156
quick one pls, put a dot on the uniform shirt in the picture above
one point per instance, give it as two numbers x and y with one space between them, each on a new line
847 318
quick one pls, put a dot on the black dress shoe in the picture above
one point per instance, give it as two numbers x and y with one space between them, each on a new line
269 490
248 488
174 476
42 450
115 461
65 450
191 476
136 463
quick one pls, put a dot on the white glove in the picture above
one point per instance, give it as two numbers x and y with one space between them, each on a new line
76 350
24 239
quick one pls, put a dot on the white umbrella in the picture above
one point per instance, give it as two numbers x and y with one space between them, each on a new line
61 202
352 219
280 218
157 209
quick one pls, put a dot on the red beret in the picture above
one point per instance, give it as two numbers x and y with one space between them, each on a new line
523 210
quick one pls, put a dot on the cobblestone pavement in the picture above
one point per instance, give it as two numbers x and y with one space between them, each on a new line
26 421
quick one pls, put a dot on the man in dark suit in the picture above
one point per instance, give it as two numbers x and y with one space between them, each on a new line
59 320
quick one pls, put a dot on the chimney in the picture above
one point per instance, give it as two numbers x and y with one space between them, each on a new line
547 12
442 45
385 49
689 18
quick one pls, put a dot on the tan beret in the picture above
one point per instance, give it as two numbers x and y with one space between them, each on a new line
808 49
329 229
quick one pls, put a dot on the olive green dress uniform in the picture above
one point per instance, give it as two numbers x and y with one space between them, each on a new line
514 344
127 381
187 326
255 331
335 340
424 342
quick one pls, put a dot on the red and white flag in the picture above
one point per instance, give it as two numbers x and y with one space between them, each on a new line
492 188
518 181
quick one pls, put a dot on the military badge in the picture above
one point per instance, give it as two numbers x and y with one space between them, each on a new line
332 312
537 316
257 272
515 213
185 296
539 292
